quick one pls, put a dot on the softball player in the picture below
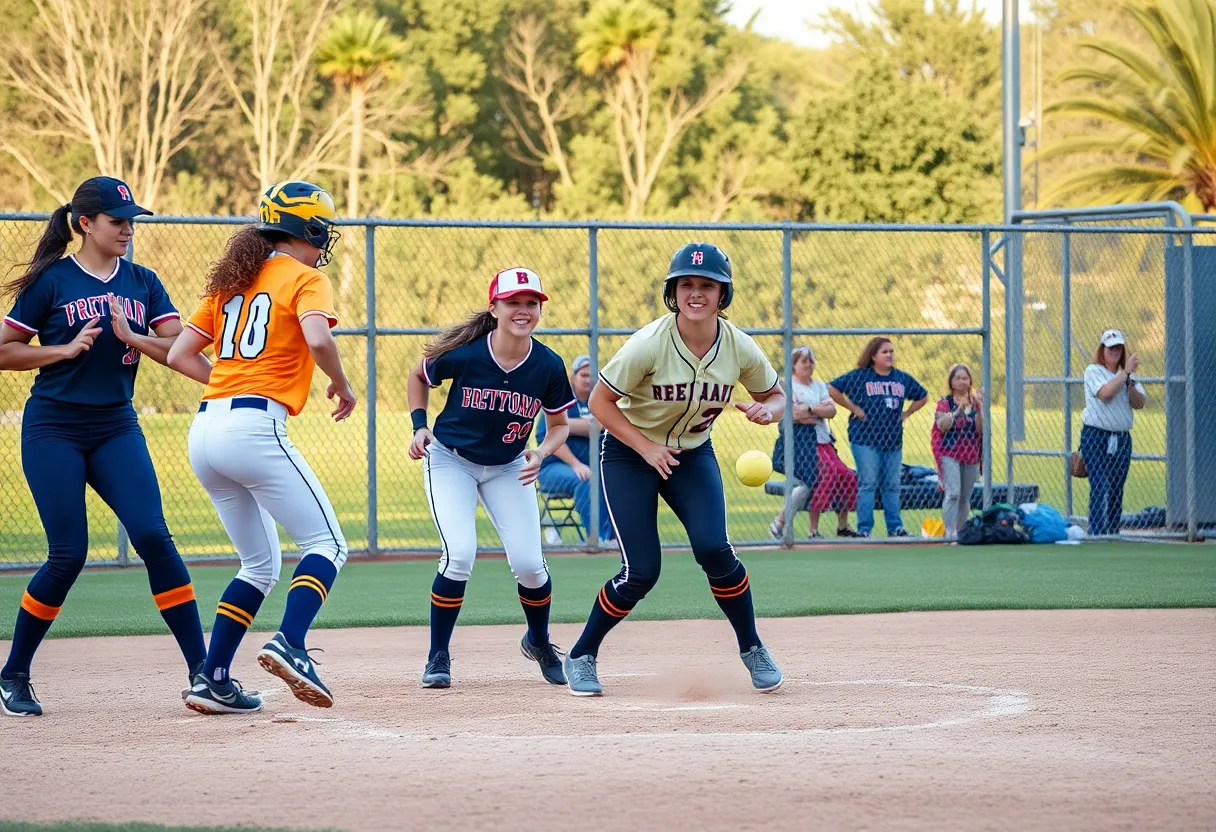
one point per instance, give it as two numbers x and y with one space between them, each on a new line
267 312
659 398
501 378
79 426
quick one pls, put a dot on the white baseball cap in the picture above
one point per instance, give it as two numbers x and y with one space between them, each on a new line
1112 338
515 281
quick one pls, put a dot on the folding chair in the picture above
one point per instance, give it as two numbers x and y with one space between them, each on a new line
557 512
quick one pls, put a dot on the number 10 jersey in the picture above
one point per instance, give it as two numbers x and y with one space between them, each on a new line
259 344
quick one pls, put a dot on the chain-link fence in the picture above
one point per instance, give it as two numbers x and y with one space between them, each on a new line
832 288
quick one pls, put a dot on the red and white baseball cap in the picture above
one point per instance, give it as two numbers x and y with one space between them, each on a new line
515 281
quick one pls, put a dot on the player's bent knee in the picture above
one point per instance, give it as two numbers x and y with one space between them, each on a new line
259 576
716 562
66 564
533 579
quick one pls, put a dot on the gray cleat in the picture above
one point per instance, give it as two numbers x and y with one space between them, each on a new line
581 677
438 673
766 676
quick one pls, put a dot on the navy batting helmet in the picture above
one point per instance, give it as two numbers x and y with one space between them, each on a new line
699 260
301 210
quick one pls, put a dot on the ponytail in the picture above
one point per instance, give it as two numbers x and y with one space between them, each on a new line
51 248
478 325
240 264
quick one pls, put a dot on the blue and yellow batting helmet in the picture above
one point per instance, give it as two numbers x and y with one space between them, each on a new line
302 210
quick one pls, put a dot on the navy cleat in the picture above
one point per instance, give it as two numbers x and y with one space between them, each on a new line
766 676
438 673
581 677
547 657
17 696
208 696
295 667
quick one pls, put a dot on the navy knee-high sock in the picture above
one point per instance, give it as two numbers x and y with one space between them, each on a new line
174 596
733 593
34 618
446 597
234 616
310 585
536 603
608 610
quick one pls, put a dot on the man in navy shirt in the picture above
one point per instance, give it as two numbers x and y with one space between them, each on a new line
568 471
874 394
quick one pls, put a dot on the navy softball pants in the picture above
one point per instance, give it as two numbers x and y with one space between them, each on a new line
694 492
63 448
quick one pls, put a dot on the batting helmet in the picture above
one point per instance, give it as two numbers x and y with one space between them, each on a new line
699 260
301 210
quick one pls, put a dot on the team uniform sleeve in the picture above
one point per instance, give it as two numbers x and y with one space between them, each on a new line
439 368
315 296
32 308
203 319
559 397
631 364
160 306
914 391
755 371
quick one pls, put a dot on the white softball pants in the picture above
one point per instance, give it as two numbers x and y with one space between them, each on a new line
453 485
255 476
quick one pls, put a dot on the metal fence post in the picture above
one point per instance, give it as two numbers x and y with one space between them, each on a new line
1066 328
593 322
986 366
1188 289
787 349
373 543
1013 298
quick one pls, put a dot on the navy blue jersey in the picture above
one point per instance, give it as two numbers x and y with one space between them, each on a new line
58 304
882 399
490 411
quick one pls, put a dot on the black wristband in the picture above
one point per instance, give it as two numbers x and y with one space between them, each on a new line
418 417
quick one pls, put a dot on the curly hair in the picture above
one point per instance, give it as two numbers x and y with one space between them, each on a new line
242 261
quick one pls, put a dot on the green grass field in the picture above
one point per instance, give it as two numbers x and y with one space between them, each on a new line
817 581
338 454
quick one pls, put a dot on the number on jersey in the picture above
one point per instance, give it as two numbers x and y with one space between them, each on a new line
253 338
517 431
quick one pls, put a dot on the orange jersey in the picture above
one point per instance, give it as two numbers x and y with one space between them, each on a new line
259 345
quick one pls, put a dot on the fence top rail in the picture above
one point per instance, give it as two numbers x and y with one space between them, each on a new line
1166 211
587 225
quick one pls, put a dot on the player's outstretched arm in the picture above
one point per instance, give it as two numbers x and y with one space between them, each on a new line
766 407
324 351
185 355
17 353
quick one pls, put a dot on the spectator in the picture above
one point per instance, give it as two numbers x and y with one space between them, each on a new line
567 471
874 395
834 485
1111 394
957 445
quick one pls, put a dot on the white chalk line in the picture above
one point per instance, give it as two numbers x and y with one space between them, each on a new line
1000 703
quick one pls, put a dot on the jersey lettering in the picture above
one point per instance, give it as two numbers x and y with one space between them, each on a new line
706 391
509 401
98 306
707 422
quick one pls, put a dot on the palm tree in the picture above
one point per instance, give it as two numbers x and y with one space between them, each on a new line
615 34
358 51
1158 109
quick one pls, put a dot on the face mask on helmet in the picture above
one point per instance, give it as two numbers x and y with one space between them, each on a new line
323 236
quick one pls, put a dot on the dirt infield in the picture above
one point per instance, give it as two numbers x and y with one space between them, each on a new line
1064 719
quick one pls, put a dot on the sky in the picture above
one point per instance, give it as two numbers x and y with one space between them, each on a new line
785 18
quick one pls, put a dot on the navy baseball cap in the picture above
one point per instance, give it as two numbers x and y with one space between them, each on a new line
106 195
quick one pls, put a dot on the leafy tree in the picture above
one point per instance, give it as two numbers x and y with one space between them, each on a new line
1156 109
358 52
